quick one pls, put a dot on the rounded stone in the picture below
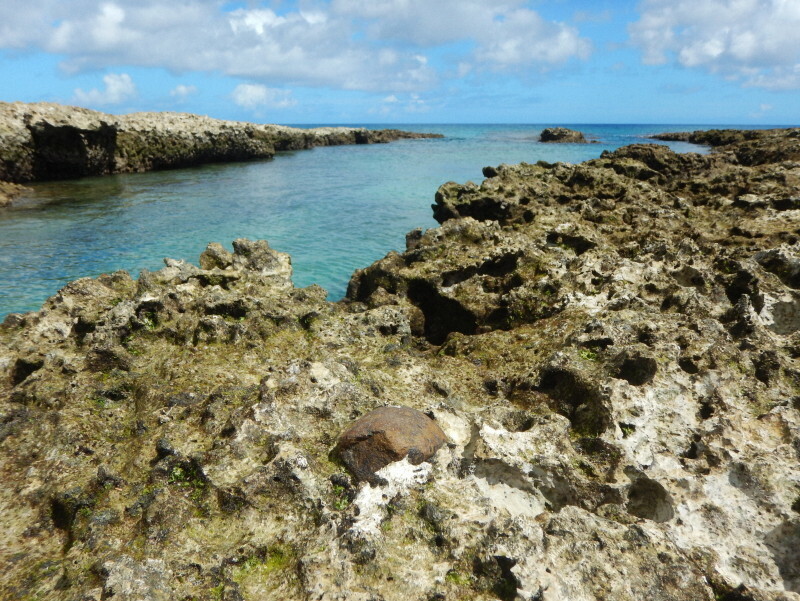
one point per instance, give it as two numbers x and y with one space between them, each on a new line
385 435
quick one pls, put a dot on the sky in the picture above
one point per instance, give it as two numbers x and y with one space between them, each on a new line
411 61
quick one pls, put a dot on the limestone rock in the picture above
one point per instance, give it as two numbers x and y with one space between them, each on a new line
611 349
385 435
8 192
45 141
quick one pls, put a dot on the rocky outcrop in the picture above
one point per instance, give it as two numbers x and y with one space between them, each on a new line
611 350
45 141
562 135
749 147
8 192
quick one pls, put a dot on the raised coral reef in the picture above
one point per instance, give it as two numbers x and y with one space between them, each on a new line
611 350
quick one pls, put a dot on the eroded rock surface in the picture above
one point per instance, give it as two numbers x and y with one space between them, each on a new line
9 192
612 350
45 141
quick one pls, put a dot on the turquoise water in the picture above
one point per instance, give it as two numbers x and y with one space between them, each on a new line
333 209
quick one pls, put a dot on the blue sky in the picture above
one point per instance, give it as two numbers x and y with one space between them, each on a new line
411 61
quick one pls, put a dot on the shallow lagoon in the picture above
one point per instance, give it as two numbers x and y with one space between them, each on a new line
333 209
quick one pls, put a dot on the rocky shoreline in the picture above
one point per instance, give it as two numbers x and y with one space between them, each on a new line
611 349
44 141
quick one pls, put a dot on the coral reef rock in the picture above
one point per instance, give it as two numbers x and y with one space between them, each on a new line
612 350
562 135
45 141
9 192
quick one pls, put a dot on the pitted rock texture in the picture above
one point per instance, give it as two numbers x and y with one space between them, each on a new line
562 135
612 350
385 435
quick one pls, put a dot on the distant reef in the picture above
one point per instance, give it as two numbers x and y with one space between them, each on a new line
749 147
44 141
562 135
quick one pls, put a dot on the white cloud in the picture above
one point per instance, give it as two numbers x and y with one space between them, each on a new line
119 87
393 105
255 96
752 41
504 31
523 37
181 91
763 109
373 45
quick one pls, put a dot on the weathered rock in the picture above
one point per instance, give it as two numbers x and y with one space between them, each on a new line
8 192
562 135
45 141
385 435
611 350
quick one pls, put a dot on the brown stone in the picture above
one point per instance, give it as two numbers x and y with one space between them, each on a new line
385 435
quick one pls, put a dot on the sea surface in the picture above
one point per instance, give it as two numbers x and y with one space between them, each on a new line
333 209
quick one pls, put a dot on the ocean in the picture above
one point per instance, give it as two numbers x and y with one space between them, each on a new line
333 209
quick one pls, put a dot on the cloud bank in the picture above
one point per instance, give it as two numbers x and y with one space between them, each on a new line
752 41
375 45
256 96
119 87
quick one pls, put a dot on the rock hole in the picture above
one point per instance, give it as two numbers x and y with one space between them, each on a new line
786 204
598 344
577 243
62 513
627 429
496 574
576 400
786 267
745 283
518 421
24 368
442 315
67 152
451 278
649 500
706 409
767 366
638 371
495 267
785 317
81 328
693 452
689 277
236 309
688 365
603 455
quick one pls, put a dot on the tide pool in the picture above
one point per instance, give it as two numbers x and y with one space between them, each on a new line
333 209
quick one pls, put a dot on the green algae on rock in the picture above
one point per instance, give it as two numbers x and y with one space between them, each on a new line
611 349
